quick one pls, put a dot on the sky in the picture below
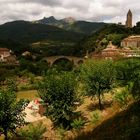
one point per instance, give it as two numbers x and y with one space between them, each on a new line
112 11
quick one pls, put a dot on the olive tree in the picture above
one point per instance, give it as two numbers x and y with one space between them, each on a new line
99 77
58 91
11 111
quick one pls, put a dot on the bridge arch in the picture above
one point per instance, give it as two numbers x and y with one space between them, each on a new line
76 60
61 59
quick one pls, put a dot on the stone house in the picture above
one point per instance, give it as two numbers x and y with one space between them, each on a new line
4 53
132 42
6 56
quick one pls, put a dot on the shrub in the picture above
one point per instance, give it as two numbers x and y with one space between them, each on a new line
33 132
96 116
78 123
61 132
123 96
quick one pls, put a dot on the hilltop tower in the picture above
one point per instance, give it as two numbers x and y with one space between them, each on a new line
129 19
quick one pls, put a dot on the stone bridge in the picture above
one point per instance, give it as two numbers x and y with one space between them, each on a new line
52 59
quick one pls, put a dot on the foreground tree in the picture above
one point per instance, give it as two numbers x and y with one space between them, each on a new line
58 91
99 77
11 111
127 70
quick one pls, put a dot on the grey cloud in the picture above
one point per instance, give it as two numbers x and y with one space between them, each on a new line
91 10
43 2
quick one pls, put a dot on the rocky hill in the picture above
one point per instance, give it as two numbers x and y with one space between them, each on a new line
73 25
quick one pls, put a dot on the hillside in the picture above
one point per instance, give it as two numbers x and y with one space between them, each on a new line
122 126
71 24
28 32
19 35
99 40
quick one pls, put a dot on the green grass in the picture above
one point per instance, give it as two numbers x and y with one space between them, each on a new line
30 94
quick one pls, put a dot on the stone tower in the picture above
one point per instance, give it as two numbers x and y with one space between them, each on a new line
129 19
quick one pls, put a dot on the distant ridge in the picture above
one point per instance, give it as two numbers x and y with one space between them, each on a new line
71 24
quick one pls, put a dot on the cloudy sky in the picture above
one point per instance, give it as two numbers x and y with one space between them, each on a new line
90 10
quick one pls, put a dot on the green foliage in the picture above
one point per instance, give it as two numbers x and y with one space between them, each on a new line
123 96
99 77
34 67
6 71
61 132
23 31
115 38
78 123
17 47
127 70
59 92
19 35
98 40
138 24
11 110
34 132
96 116
63 65
128 74
136 87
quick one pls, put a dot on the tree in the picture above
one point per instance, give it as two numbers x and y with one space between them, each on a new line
127 70
58 91
138 24
99 77
11 110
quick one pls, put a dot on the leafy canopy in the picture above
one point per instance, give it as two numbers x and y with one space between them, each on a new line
11 110
99 77
59 92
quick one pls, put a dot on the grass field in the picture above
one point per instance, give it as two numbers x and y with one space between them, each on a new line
30 94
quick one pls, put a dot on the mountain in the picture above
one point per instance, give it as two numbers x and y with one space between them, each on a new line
28 32
20 36
71 24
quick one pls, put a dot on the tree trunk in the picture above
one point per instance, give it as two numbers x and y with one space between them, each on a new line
100 105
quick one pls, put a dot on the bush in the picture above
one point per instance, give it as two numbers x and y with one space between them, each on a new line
61 132
78 123
123 96
96 116
33 132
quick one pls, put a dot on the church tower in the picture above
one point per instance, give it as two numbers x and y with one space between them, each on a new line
129 19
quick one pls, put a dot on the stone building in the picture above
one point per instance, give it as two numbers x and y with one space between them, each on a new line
113 52
6 56
4 53
129 19
110 51
132 42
